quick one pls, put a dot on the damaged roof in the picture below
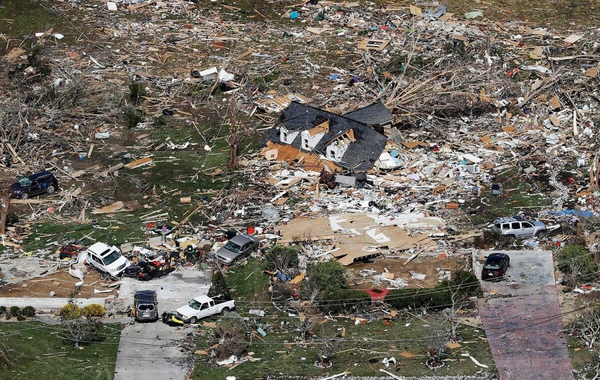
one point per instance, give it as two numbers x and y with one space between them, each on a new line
360 155
374 114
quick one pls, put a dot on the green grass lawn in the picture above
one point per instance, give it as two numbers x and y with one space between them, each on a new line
38 353
517 195
360 347
581 356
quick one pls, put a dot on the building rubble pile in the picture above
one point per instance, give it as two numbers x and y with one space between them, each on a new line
474 102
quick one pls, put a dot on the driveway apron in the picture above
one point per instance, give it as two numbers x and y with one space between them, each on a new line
523 324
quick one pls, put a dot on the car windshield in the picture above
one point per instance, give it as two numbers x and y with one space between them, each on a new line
233 247
194 304
114 256
25 181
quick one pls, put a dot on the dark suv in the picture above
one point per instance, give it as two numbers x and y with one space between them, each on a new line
145 306
35 184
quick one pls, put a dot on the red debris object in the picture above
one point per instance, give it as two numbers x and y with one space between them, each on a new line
512 72
69 250
377 294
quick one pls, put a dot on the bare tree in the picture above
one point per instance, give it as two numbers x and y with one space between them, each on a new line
436 345
81 330
590 371
304 309
587 327
329 347
77 329
4 204
237 134
460 289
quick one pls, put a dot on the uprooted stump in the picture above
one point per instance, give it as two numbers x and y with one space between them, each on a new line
434 363
323 363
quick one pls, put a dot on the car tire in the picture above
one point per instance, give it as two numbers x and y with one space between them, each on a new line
24 196
193 320
50 189
225 311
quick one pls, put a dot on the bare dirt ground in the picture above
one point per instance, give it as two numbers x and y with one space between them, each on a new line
427 265
60 282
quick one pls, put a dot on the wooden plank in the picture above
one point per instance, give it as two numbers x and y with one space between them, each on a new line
372 44
117 206
138 163
14 153
89 154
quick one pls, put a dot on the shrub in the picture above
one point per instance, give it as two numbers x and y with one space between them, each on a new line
70 311
219 286
327 277
576 263
136 91
93 310
488 239
3 310
15 311
437 298
28 311
282 258
132 116
403 298
345 300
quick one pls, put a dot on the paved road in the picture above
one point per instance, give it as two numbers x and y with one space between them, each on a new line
151 350
522 319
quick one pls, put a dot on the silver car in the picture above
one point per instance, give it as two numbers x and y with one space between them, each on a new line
517 228
237 247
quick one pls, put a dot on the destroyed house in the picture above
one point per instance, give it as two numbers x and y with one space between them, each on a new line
349 143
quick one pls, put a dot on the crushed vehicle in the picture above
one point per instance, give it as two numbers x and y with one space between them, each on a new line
35 184
148 270
202 307
107 259
495 266
145 306
518 227
236 248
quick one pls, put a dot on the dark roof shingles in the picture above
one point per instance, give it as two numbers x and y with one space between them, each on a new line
360 155
374 114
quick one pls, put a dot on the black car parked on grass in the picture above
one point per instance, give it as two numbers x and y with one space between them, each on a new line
495 266
35 184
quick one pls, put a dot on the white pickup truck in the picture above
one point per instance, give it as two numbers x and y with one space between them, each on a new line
202 307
